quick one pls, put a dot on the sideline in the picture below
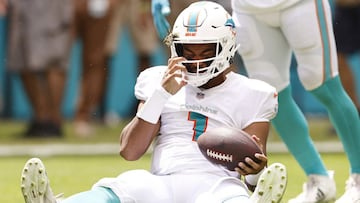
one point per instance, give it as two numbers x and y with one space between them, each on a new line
112 149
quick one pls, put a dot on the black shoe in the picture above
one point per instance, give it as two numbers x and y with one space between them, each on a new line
33 129
43 130
51 129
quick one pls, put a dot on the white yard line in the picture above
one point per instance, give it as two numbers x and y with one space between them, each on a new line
113 149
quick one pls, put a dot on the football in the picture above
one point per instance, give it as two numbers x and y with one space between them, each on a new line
227 146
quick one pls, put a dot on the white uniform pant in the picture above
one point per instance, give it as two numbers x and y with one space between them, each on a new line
267 41
141 186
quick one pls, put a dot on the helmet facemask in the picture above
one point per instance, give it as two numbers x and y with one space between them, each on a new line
200 71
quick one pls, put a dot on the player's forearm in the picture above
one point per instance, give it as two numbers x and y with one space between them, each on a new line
261 130
136 138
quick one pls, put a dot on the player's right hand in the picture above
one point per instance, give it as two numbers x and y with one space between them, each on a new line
173 79
160 9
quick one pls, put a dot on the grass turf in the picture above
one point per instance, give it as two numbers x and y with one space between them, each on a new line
72 174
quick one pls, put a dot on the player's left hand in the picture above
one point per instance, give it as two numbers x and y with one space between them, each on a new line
160 9
252 167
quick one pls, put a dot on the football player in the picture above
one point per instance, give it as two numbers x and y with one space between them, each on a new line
179 102
269 32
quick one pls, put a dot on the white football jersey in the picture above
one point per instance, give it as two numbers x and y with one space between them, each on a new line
237 102
263 6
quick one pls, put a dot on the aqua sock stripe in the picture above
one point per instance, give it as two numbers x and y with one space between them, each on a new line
323 26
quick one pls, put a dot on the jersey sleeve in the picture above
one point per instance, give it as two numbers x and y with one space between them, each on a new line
270 105
264 103
147 82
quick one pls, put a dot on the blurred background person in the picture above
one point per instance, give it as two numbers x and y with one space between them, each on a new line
91 28
135 16
347 36
3 5
98 25
38 51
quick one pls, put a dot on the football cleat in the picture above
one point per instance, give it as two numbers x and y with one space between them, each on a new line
271 185
317 189
352 191
35 185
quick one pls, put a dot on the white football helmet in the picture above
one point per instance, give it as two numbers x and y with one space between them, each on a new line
204 22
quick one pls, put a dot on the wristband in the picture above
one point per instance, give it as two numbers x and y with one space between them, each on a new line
154 105
253 178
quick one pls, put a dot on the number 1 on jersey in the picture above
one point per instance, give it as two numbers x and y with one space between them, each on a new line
200 124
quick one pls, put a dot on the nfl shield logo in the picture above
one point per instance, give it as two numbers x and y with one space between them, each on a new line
200 95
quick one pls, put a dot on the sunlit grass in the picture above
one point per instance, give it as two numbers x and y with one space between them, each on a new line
73 174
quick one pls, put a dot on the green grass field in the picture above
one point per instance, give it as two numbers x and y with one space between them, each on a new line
72 174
